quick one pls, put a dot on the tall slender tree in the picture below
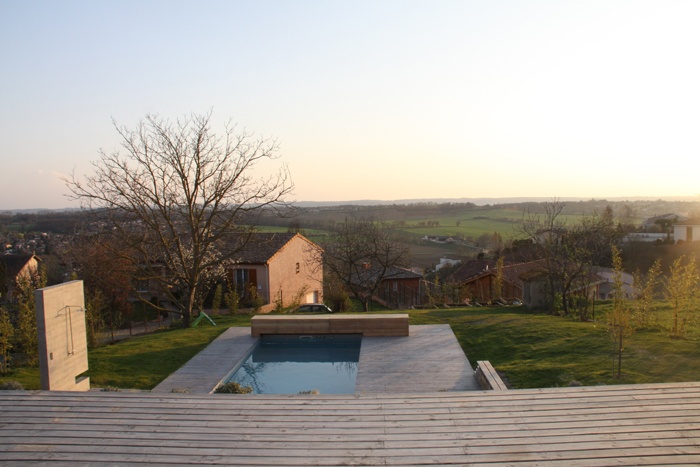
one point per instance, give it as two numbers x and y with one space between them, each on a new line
682 289
619 320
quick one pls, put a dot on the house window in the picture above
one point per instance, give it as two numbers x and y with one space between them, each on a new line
142 285
246 279
242 279
297 268
242 276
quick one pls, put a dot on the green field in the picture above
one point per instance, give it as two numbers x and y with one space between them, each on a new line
532 350
463 221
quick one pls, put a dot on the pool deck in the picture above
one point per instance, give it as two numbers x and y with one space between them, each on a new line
430 359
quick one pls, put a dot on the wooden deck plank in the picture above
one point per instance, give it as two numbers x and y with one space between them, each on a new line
595 426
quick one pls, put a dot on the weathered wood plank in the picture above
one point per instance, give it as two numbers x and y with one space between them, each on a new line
367 325
594 426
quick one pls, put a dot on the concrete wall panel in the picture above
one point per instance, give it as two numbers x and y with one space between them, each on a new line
60 313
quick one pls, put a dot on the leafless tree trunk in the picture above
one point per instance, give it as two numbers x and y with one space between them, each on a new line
360 254
178 198
570 250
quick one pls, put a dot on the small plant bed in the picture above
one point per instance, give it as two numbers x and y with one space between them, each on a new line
232 388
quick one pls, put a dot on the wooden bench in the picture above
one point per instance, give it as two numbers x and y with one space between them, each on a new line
366 324
488 378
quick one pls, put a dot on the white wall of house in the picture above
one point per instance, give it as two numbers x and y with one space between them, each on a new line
686 233
444 262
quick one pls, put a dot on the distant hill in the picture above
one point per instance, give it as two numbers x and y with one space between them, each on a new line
379 202
35 211
483 201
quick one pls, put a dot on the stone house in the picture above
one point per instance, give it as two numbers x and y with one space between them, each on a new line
284 269
12 269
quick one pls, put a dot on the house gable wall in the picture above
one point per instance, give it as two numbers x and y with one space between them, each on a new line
295 274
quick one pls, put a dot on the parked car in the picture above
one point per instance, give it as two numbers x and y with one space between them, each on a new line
313 308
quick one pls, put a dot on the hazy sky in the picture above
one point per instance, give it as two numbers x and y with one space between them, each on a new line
368 99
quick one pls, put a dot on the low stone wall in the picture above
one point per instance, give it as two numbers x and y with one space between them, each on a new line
367 325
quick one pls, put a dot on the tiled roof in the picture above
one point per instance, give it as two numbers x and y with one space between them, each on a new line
688 222
511 272
471 269
261 247
401 273
393 272
14 263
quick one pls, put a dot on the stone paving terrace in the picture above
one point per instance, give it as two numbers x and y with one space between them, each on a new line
429 359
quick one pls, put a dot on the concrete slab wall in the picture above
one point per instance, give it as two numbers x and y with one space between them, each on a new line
60 319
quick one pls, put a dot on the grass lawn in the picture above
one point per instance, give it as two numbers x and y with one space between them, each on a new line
532 349
539 350
141 362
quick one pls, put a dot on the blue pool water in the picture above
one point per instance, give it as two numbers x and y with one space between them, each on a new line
291 364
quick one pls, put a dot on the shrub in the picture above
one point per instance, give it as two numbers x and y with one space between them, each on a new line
216 301
11 386
232 388
232 300
110 389
7 332
256 300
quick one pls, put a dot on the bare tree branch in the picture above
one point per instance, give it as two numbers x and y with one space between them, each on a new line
177 194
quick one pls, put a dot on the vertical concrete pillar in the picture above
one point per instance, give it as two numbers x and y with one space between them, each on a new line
60 320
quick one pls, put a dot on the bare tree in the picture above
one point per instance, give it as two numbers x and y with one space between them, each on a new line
360 254
570 250
179 197
108 276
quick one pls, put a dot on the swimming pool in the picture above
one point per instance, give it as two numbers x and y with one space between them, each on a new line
293 364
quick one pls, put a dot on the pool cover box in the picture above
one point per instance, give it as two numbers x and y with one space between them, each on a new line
367 325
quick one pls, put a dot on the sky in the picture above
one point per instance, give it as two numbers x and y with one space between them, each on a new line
380 99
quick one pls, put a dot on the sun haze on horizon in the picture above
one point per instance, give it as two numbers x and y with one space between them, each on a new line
383 100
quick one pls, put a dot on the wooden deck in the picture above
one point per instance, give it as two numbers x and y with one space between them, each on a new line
602 425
